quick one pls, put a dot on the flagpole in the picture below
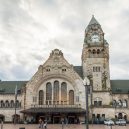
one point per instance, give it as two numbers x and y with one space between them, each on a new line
15 104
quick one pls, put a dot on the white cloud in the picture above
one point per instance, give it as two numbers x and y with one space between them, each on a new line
30 29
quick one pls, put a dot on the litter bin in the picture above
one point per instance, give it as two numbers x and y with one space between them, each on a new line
22 128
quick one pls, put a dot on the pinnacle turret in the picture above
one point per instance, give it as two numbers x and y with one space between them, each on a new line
93 21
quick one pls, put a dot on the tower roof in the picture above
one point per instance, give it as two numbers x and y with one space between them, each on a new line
93 21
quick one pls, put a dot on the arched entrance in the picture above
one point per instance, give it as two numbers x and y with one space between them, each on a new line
2 117
121 115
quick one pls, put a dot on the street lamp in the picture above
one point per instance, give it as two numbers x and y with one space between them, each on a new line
86 83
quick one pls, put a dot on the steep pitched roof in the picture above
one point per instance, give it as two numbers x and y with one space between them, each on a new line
120 86
8 87
93 21
78 69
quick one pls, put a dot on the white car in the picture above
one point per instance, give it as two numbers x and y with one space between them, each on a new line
121 122
108 122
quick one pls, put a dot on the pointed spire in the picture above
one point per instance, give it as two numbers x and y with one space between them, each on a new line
93 21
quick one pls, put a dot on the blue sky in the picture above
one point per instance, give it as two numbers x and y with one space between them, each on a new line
31 29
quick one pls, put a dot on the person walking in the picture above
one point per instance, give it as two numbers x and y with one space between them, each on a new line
45 124
40 123
62 122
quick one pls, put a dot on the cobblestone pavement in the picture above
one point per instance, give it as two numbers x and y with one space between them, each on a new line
58 126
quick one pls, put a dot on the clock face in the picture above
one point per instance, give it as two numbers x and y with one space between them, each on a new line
95 38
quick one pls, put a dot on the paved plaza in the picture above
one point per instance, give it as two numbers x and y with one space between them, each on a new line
58 126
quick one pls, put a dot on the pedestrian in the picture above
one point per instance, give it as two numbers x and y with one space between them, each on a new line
40 123
45 124
62 122
66 121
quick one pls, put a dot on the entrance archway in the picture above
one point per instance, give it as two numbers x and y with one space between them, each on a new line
121 115
71 119
2 117
56 119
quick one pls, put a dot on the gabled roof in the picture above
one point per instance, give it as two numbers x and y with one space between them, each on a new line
8 87
120 86
78 69
93 21
56 58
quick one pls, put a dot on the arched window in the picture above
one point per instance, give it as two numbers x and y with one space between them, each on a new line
1 103
63 93
119 103
56 92
48 93
17 104
98 51
7 104
89 51
71 97
114 103
98 102
41 97
12 104
124 103
94 51
102 50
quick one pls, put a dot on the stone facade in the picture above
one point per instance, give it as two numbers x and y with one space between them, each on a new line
56 73
8 111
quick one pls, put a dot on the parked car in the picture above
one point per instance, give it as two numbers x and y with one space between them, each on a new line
108 122
121 122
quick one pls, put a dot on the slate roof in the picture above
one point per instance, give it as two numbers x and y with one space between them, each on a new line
8 87
120 86
78 69
117 86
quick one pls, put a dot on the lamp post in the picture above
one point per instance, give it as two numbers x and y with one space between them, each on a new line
86 83
15 105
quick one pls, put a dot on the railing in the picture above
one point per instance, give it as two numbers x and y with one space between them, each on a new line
56 106
101 106
107 106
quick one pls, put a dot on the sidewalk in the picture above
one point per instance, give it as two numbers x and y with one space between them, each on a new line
59 126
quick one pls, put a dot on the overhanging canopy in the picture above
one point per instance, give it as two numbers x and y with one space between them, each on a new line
53 110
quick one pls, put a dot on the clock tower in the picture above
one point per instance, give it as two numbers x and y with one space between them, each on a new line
95 57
